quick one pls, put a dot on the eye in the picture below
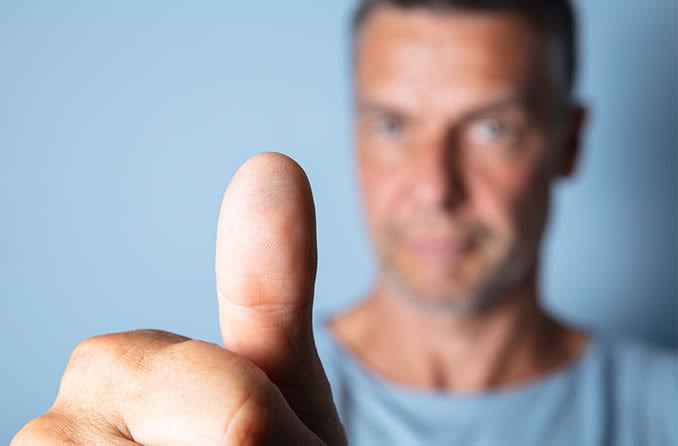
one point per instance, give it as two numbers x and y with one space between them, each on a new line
389 126
487 131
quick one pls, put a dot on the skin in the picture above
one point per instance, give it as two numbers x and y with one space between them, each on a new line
457 234
460 133
266 386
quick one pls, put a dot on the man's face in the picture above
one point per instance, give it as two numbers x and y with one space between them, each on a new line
457 142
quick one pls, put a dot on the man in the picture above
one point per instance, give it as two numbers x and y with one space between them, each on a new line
463 122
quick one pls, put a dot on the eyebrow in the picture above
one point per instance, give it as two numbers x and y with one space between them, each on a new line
507 101
374 107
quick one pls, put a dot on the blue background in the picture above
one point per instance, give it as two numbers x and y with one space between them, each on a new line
122 122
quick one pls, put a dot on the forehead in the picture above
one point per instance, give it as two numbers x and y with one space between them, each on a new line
450 57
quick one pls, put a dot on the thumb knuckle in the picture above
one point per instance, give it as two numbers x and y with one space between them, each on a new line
91 359
254 420
48 429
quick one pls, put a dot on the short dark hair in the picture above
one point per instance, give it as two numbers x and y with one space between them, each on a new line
555 17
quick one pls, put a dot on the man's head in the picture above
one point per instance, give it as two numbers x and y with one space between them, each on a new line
463 120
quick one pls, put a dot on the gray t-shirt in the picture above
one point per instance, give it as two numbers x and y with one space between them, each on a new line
617 394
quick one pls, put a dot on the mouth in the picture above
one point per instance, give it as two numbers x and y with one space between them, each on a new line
439 249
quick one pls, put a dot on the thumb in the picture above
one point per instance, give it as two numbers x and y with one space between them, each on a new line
266 260
266 263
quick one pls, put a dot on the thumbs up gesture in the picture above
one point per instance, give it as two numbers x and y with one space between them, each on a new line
266 386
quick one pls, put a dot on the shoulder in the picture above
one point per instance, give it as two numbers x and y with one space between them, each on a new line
643 384
336 362
633 360
323 340
333 355
341 337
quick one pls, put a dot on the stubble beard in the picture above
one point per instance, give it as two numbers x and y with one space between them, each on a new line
500 283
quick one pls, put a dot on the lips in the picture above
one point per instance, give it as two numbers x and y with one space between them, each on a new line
439 249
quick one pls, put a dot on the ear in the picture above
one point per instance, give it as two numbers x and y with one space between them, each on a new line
577 118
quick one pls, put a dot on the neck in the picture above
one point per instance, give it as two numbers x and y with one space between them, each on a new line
512 342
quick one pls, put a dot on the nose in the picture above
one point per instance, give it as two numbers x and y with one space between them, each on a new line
439 177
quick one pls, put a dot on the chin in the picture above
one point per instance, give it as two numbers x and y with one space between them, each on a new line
441 298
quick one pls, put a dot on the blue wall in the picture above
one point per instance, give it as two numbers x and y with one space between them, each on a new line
122 122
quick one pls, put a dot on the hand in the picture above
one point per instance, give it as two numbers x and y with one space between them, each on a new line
266 386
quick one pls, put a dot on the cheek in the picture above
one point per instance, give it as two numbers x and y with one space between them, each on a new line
497 198
383 194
